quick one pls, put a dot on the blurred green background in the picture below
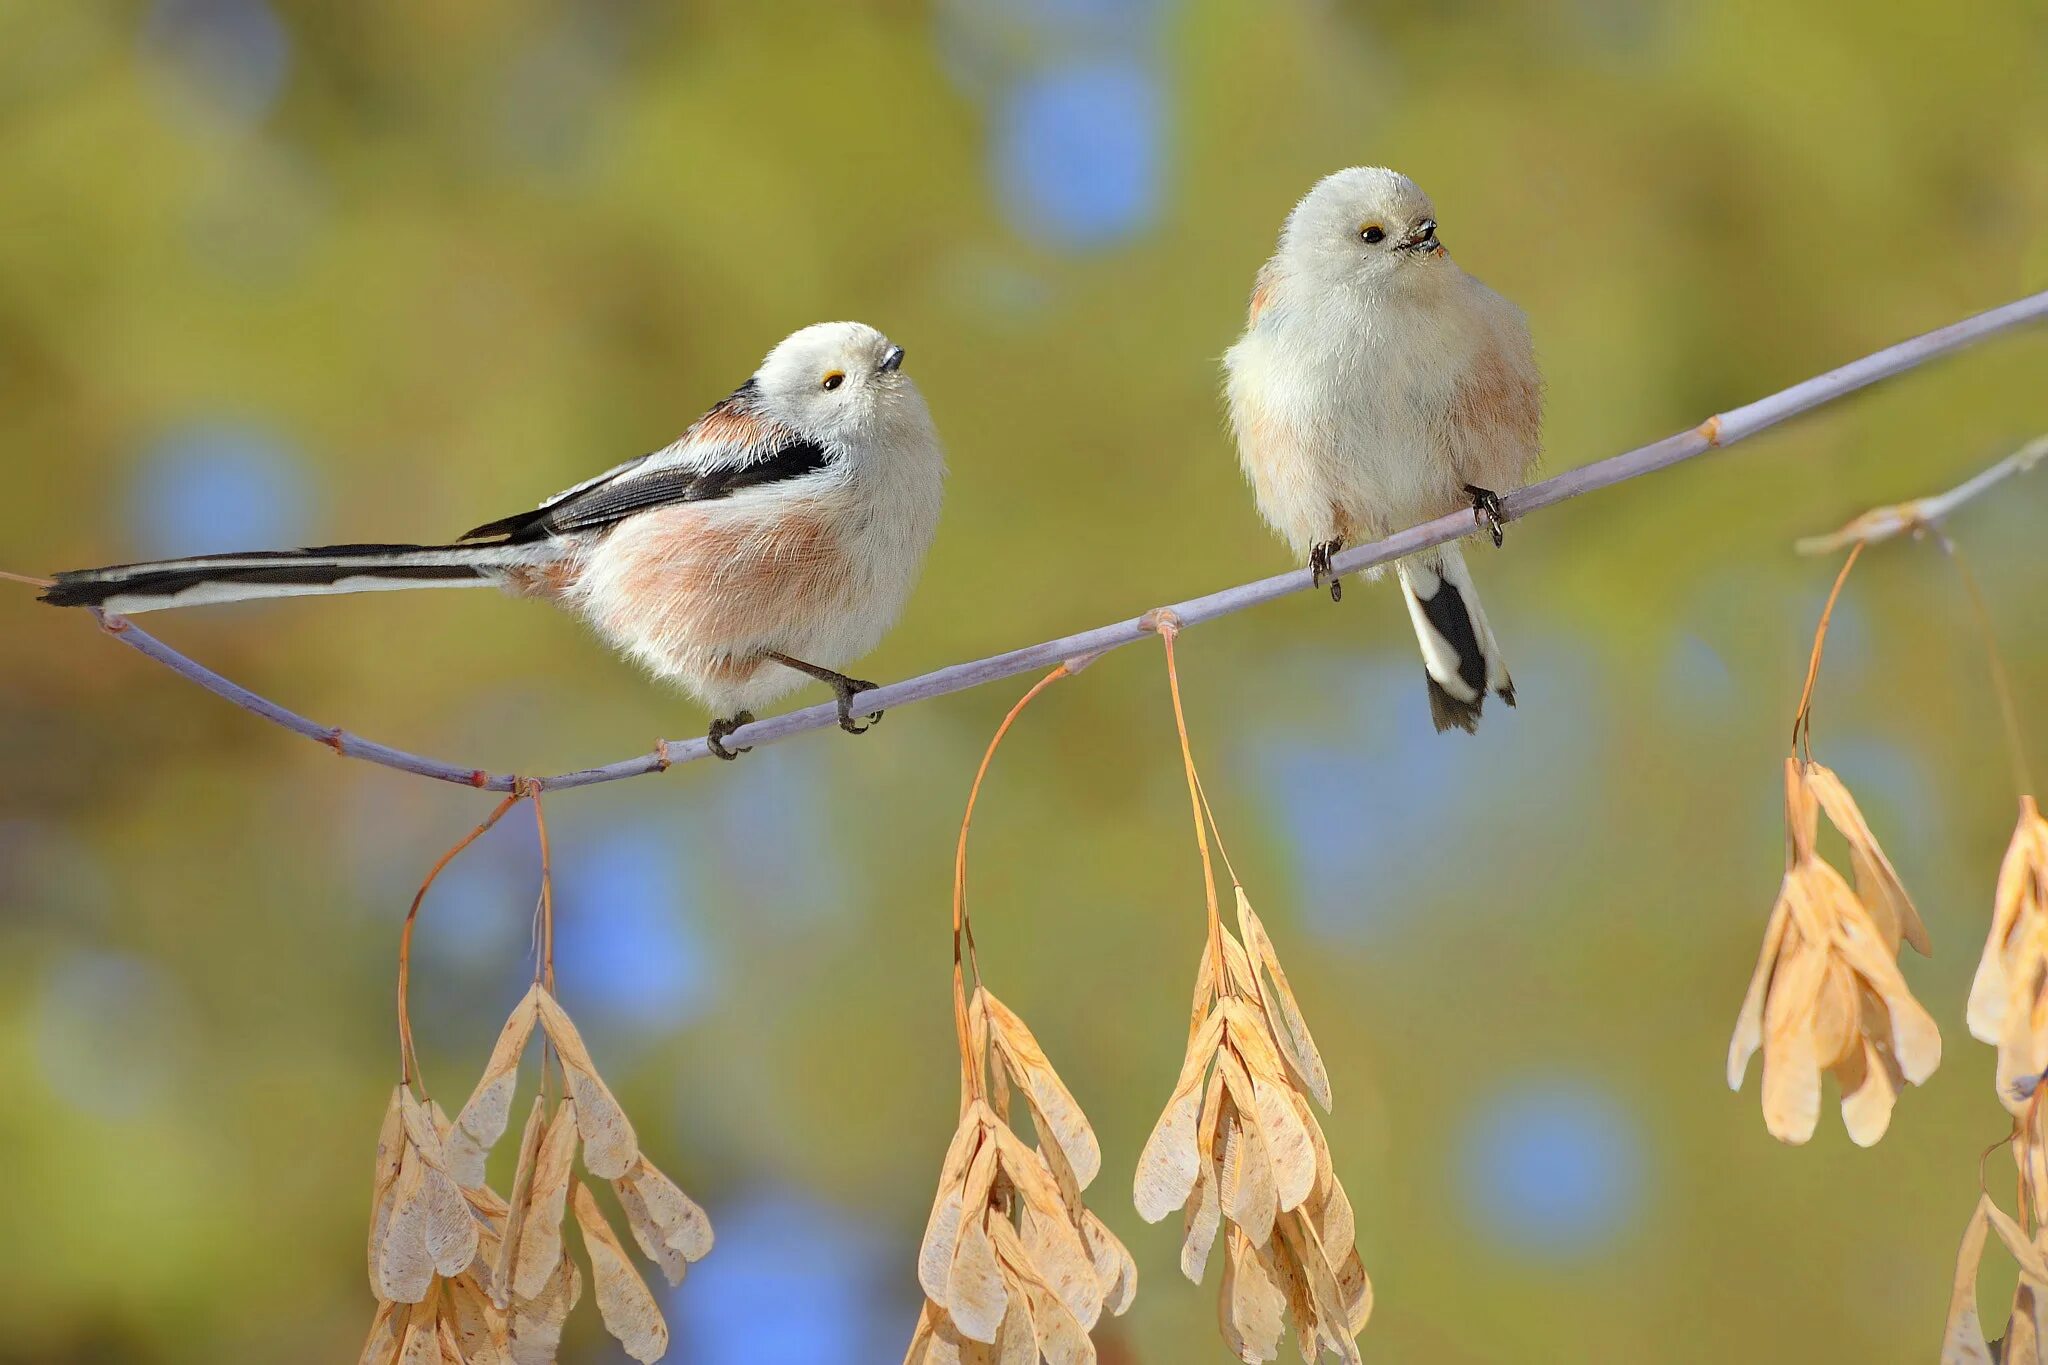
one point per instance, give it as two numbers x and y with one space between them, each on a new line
282 273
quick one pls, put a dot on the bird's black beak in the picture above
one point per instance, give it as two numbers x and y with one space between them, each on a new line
1422 238
892 360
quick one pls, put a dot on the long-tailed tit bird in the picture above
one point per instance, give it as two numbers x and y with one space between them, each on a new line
775 541
1378 385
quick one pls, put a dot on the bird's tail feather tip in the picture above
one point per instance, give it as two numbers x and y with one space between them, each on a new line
1449 712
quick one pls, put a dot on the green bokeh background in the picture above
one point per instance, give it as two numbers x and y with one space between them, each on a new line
1695 204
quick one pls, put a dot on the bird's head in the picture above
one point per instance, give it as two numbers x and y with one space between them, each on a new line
838 381
1366 226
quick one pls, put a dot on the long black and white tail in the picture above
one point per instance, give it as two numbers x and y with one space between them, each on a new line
320 571
1459 654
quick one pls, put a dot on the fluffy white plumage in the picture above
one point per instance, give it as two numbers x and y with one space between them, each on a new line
1375 381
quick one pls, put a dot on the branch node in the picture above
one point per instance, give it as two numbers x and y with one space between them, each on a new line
1161 621
661 760
1080 661
479 779
337 740
1711 429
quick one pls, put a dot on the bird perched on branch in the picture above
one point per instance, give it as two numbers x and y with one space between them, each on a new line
775 541
1378 385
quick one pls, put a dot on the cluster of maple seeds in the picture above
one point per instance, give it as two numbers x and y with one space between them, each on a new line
465 1276
1238 1149
1015 1268
1827 993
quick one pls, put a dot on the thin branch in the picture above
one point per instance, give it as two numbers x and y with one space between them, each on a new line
1882 523
1074 650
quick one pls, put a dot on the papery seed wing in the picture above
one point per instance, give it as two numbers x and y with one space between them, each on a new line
446 1229
1290 1030
540 1229
1249 1197
387 1334
609 1145
1332 1309
482 1336
1204 1211
1988 989
629 1311
1749 1022
1356 1287
670 1227
942 1228
1016 1342
483 1119
1301 1310
1168 1164
1869 1079
1063 1260
1251 1307
1115 1269
975 1295
1238 972
1287 1143
1875 877
420 1129
536 1326
384 1174
452 1236
422 1343
1327 1205
1962 1340
1053 1108
500 1285
1062 1340
1791 1089
404 1271
1916 1041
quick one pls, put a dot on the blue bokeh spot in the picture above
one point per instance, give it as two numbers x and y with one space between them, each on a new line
627 945
1552 1167
792 1282
216 486
1077 154
233 55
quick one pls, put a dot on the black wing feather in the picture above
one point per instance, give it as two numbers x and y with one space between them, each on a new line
614 495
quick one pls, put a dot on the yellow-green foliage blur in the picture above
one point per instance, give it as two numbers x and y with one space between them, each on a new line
323 272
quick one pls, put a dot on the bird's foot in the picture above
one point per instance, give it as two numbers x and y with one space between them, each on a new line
715 736
843 691
1319 568
843 688
1487 511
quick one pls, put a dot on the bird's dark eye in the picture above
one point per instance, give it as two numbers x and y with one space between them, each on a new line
834 380
1372 233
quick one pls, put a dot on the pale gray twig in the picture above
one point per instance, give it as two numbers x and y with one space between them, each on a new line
1882 523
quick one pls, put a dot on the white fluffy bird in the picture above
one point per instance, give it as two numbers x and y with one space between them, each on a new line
775 541
1378 385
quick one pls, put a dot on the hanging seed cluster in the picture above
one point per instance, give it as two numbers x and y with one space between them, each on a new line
464 1276
1014 1267
1239 1152
1827 994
